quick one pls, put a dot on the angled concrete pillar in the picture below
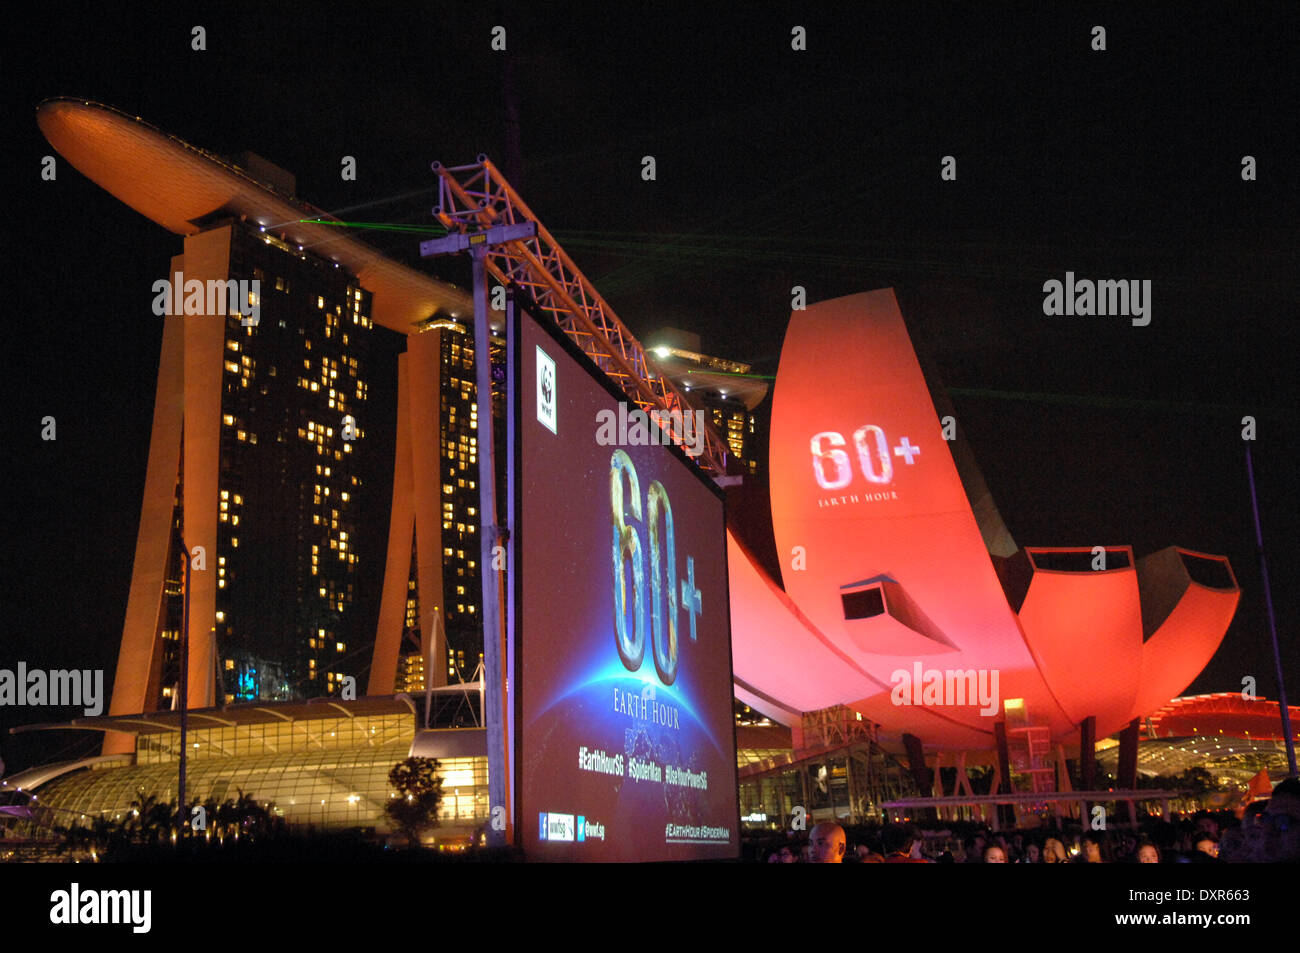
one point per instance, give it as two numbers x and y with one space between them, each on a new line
416 508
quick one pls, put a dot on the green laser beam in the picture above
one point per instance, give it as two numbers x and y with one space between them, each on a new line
380 226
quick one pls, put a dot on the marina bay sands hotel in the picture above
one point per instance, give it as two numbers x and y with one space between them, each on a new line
257 430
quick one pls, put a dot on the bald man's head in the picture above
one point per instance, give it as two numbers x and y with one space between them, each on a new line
828 843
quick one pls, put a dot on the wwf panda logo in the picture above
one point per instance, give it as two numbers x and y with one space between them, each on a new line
547 388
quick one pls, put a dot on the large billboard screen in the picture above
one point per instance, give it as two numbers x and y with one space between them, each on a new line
625 738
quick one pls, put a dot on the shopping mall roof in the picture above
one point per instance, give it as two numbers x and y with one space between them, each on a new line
229 716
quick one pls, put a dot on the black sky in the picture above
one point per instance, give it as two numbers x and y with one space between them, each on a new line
775 168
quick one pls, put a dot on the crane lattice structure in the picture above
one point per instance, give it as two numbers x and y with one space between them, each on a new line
476 197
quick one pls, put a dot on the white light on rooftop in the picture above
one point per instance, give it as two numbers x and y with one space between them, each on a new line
662 351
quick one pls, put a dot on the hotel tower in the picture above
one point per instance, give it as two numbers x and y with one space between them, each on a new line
258 451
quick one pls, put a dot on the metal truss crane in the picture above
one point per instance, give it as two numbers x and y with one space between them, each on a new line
474 198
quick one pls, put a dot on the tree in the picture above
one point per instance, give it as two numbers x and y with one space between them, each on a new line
150 817
414 806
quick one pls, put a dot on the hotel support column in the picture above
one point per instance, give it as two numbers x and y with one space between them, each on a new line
397 567
417 501
139 660
207 257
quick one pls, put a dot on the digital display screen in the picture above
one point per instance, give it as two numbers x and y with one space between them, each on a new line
625 737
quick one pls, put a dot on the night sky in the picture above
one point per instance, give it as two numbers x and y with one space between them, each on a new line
775 168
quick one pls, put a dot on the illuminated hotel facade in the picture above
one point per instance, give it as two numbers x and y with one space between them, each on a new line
258 451
284 563
724 389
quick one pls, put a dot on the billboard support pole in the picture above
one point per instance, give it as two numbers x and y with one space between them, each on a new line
478 244
489 535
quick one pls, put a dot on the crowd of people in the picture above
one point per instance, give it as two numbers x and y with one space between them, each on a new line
1268 832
